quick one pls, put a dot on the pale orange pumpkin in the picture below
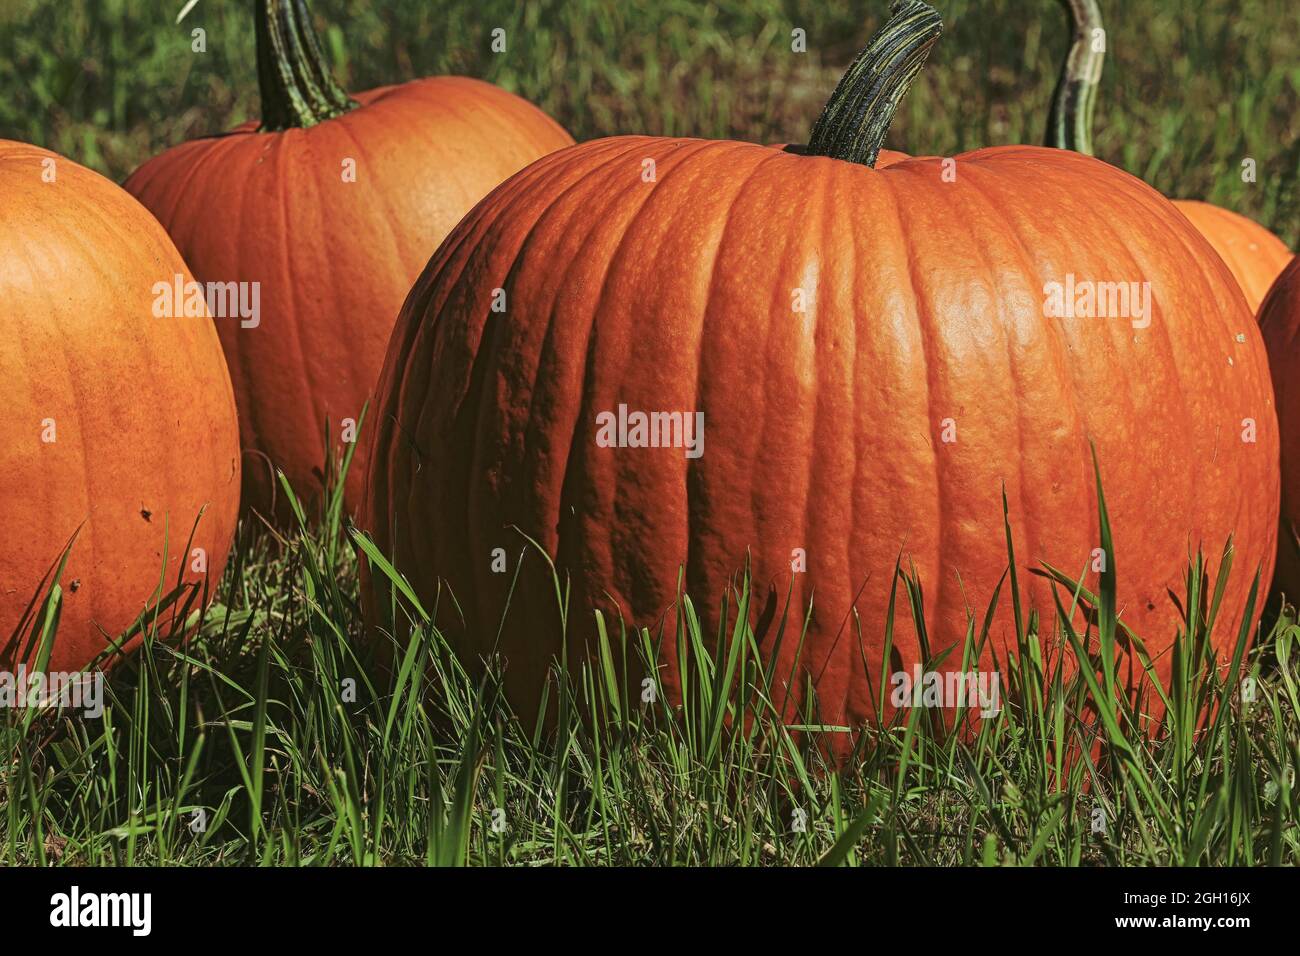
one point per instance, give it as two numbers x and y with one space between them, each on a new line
120 422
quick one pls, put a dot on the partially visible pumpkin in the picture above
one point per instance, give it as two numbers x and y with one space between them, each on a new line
874 359
120 423
1279 321
1252 253
332 205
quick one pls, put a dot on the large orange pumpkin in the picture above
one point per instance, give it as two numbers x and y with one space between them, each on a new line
1279 321
332 206
1254 255
120 421
876 355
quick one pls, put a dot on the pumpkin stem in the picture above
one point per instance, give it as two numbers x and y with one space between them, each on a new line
296 86
1070 124
858 114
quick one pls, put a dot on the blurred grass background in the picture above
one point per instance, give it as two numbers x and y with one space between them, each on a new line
1190 89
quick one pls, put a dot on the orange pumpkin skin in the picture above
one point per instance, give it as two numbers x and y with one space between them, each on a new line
334 258
1279 321
140 407
824 429
1253 254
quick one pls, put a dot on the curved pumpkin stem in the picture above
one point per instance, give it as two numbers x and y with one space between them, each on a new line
296 86
858 114
1070 124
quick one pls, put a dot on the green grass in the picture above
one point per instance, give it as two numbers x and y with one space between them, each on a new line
276 725
1190 89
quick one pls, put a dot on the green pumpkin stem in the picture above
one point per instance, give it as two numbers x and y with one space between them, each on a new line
858 114
1070 124
296 86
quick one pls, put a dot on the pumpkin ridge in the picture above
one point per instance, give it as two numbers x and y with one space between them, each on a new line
962 196
864 344
489 333
836 683
462 237
324 414
678 197
1188 243
253 418
93 261
1161 342
777 309
585 188
856 371
513 199
393 251
399 360
236 347
922 316
823 349
1135 191
285 200
327 416
1279 324
1205 290
1104 222
1026 512
1168 356
691 560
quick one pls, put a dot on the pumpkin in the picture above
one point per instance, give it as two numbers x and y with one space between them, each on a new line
1254 256
121 422
1279 321
1252 253
874 354
331 205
